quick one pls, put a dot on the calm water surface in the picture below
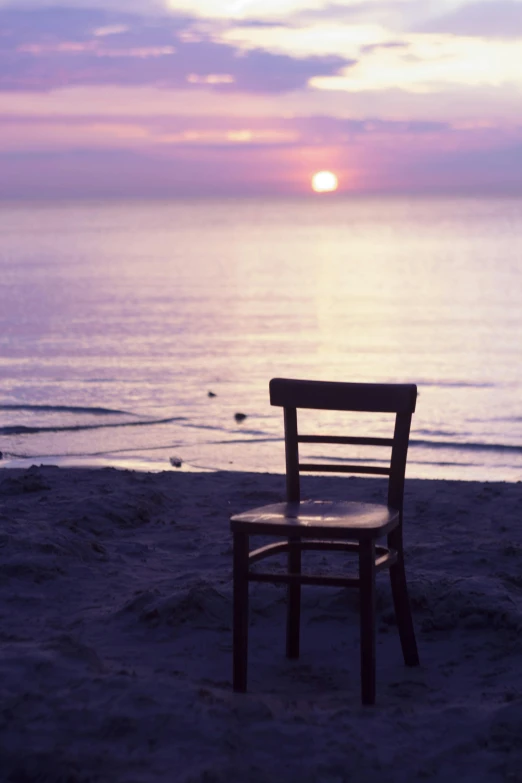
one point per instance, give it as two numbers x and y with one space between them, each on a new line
118 318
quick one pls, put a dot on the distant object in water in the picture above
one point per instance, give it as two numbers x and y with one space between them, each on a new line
211 394
176 462
1 455
239 417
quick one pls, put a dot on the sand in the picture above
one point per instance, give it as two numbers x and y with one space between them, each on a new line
115 630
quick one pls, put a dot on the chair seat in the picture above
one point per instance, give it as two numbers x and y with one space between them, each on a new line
310 518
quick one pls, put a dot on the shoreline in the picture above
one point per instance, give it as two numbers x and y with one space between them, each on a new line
116 637
190 463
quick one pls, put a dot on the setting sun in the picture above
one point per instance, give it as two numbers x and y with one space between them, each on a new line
324 182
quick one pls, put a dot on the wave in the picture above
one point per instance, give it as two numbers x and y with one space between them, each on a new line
217 427
457 384
20 429
466 445
244 441
65 409
383 463
428 444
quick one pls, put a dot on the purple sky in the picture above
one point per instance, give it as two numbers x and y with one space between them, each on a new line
178 98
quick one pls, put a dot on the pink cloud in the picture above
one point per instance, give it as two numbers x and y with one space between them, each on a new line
223 163
53 48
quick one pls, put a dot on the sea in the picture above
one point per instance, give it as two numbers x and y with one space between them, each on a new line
143 334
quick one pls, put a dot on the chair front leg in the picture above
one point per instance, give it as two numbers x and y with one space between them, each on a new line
293 616
240 632
367 619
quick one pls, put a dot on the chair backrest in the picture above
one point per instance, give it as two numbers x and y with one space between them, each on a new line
398 398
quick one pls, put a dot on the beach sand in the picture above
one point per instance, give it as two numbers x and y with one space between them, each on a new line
115 629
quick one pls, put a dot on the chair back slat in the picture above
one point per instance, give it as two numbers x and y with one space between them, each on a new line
363 397
321 468
331 395
348 440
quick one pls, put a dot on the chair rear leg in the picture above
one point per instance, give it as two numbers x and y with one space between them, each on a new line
403 616
240 632
367 619
293 617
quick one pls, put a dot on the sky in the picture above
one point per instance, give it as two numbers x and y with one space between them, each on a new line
190 98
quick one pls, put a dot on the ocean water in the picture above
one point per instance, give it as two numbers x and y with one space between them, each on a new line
118 319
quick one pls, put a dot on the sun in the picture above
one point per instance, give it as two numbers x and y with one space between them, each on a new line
324 182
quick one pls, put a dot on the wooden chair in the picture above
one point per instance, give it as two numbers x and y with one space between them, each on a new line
328 525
